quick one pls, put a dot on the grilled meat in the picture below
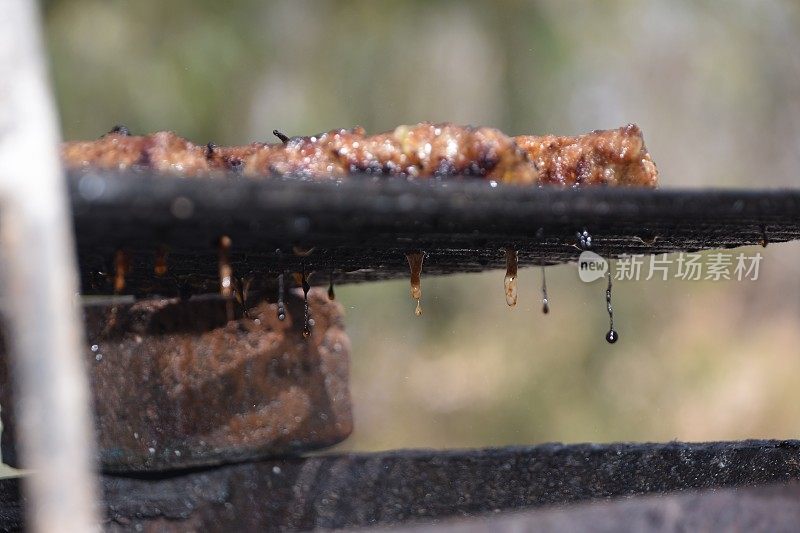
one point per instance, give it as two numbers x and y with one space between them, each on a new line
612 157
603 157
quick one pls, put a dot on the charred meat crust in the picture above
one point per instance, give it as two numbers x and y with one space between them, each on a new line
609 157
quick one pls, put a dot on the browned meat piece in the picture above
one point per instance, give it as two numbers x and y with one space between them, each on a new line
603 157
162 151
427 150
613 157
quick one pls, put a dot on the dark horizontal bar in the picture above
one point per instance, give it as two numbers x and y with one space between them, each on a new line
771 508
362 227
351 490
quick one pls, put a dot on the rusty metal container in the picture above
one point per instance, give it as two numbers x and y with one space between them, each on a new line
176 385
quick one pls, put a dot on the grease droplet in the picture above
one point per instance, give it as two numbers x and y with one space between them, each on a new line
281 306
510 280
415 264
545 300
306 288
584 239
226 274
612 336
331 293
160 267
122 263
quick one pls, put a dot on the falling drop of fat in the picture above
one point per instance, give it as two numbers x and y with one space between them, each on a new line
306 288
160 266
510 280
331 293
121 266
225 270
226 274
764 238
545 300
415 264
612 336
281 306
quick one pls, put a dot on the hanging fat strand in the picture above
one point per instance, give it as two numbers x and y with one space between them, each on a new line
331 293
415 264
510 280
160 264
545 300
306 316
281 305
226 274
122 264
612 336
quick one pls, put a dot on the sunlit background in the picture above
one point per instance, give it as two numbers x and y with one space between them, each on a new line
715 86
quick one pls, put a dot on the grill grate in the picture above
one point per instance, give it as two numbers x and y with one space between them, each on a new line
361 228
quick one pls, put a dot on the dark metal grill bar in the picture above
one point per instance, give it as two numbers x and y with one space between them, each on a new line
378 489
362 227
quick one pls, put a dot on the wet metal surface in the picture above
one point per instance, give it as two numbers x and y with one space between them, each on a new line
362 228
175 385
398 487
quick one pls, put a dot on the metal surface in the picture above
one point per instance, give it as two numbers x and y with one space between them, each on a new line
176 385
12 505
398 487
775 509
361 228
39 285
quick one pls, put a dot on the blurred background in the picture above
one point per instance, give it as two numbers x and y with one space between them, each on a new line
714 85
